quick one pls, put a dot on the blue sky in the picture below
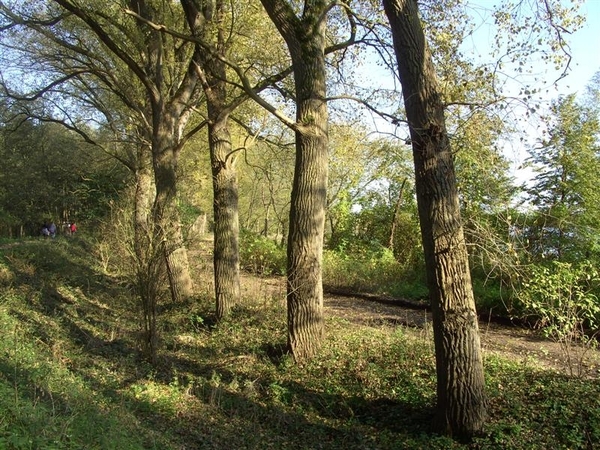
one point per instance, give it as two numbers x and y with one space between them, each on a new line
585 48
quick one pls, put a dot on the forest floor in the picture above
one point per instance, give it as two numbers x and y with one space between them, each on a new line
500 338
510 341
73 375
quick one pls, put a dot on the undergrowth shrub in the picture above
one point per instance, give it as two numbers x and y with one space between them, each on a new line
374 271
365 268
562 299
491 296
141 265
261 255
6 275
112 239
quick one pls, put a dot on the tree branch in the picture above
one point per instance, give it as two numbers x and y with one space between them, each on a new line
110 43
42 91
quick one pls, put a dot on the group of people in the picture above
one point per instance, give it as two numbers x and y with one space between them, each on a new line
49 229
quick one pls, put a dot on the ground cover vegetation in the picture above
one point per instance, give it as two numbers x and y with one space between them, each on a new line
72 375
94 129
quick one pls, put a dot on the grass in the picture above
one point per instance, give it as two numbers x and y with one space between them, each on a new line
71 375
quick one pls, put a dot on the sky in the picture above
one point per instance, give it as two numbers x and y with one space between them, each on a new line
584 47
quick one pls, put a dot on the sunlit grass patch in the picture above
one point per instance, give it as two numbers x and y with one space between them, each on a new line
47 405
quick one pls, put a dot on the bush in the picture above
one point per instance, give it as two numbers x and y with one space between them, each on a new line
491 296
261 255
368 268
372 270
562 300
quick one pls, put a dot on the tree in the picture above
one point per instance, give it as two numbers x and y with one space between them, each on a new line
217 31
461 402
371 202
486 193
49 173
267 168
88 54
592 95
305 39
564 192
169 94
134 63
214 40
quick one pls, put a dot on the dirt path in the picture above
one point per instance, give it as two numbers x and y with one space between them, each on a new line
523 345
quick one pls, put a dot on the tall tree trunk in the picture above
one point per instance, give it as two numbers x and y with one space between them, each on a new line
167 221
169 107
225 205
212 72
461 405
144 190
305 241
305 39
148 266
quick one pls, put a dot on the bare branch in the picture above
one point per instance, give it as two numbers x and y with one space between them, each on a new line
110 43
564 46
42 91
388 117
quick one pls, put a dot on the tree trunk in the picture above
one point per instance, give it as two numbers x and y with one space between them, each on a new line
305 245
178 267
225 205
148 265
212 71
265 228
461 405
144 187
167 222
305 38
395 216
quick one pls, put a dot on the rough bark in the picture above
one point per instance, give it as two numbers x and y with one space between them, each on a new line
168 97
207 24
461 405
147 265
144 191
395 216
225 206
167 222
305 247
305 38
